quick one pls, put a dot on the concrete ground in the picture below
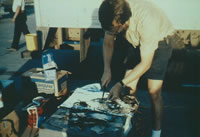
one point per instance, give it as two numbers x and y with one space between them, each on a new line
180 93
10 62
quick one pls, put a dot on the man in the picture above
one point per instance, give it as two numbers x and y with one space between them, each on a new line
146 27
19 19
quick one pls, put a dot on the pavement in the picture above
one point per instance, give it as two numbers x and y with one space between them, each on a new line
180 93
11 62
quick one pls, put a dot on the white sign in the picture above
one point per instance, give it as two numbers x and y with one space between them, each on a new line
184 14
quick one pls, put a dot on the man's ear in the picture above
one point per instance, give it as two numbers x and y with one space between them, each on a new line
116 23
127 22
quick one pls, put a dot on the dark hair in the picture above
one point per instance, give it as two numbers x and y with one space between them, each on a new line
113 9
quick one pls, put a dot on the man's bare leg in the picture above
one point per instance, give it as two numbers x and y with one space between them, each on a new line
155 87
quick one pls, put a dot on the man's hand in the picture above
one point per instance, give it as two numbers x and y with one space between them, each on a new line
13 19
115 91
106 78
16 13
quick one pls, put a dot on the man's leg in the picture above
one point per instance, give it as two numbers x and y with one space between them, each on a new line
24 25
25 29
17 34
155 87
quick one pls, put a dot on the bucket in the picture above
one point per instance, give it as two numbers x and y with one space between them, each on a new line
31 42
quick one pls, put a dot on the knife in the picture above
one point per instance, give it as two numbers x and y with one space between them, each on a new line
104 89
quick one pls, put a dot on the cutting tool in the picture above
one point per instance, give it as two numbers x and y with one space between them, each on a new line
104 90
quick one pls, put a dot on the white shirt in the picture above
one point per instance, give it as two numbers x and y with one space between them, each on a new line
148 25
17 3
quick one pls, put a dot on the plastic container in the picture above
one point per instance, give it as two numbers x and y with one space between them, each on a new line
31 42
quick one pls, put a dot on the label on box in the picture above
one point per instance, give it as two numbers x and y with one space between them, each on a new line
43 87
48 61
50 74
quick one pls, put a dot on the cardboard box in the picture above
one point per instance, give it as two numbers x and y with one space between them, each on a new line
9 125
57 87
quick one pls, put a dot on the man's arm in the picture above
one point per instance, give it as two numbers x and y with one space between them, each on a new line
108 51
141 68
137 72
107 56
16 13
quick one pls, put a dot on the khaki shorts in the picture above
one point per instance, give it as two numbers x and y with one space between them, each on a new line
160 61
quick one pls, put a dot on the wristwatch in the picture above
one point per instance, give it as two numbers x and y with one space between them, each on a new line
123 85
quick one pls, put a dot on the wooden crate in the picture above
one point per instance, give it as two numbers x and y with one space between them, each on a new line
72 34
